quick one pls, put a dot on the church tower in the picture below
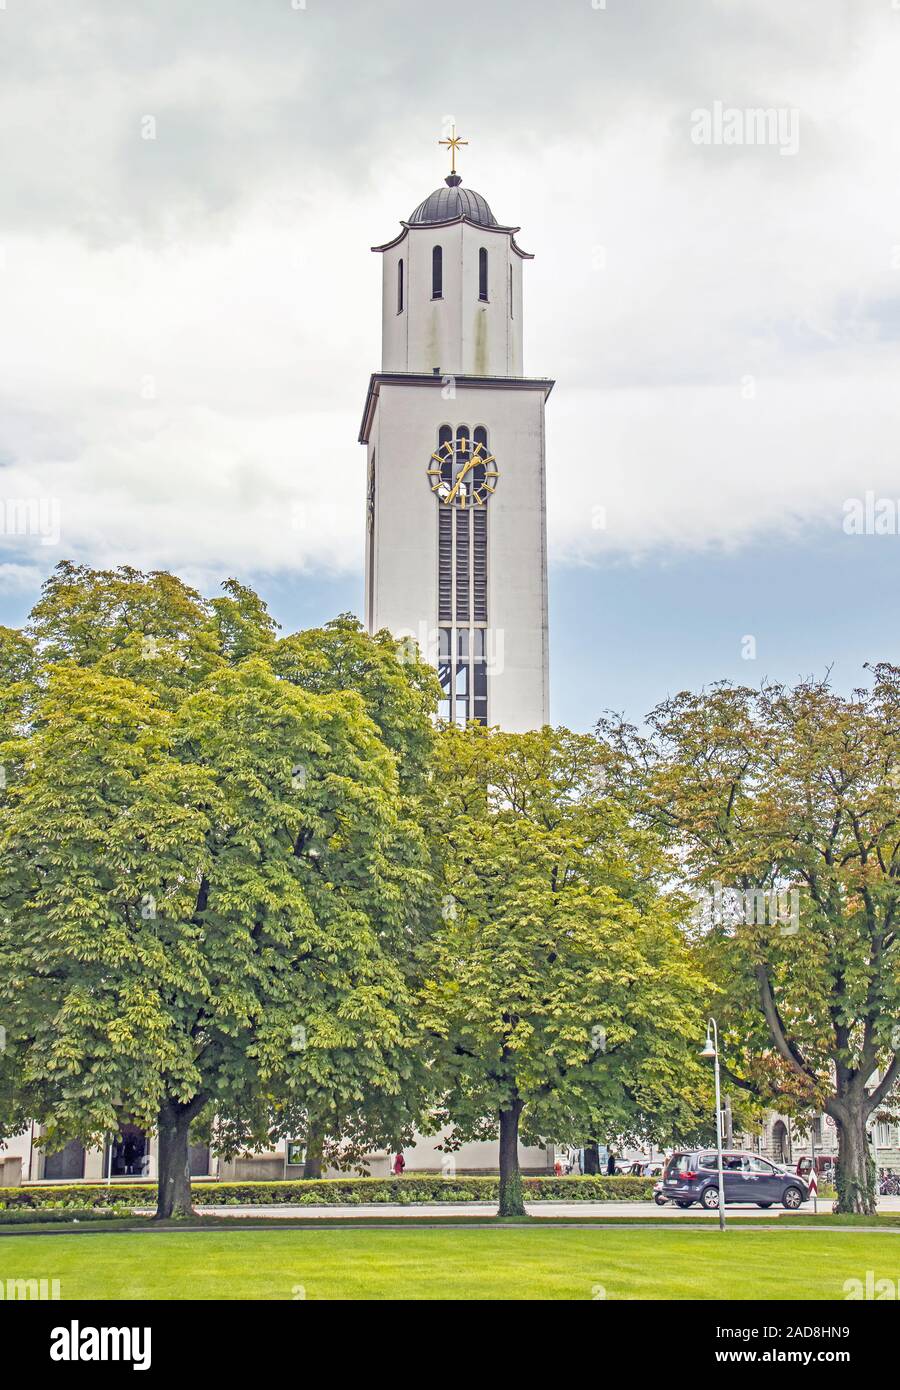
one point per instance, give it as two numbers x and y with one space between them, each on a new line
456 544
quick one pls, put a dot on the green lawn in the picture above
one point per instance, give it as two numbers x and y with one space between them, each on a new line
519 1262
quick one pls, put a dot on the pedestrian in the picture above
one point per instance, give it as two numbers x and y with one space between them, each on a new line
399 1165
611 1165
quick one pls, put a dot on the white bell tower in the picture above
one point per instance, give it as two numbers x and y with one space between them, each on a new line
456 543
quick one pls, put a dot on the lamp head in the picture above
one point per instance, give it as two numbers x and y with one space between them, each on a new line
709 1050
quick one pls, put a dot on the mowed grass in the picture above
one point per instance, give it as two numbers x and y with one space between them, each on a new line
513 1262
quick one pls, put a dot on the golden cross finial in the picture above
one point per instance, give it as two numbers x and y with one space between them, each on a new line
453 144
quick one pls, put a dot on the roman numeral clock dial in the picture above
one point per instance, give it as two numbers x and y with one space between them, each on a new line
462 478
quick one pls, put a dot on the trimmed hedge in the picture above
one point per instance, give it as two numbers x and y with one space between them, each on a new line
425 1187
21 1216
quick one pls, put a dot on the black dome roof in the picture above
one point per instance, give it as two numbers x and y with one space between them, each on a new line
447 204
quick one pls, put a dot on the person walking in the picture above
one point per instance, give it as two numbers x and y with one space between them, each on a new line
399 1165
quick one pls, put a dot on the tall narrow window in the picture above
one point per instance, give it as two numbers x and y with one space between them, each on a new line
445 531
445 438
511 314
479 535
479 566
400 286
437 272
445 563
445 674
462 578
463 590
482 273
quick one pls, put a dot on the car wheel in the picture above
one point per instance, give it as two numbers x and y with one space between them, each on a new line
710 1198
684 1204
791 1198
764 1204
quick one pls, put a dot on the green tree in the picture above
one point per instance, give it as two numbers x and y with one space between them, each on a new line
210 877
784 807
399 693
559 982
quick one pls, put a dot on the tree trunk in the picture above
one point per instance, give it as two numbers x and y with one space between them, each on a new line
511 1203
592 1159
315 1144
174 1188
855 1169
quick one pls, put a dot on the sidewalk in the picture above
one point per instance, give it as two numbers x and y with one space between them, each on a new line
568 1210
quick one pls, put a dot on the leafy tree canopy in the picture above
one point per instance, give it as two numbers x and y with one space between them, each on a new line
783 805
211 870
569 1004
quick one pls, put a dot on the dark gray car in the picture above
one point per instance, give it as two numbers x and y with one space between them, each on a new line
693 1176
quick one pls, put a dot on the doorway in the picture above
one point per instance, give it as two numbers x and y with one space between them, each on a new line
130 1156
781 1144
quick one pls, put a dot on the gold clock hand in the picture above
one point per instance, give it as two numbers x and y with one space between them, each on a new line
462 473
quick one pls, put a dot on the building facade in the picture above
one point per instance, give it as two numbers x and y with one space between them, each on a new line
783 1142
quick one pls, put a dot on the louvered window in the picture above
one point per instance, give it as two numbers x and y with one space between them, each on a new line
445 560
463 554
479 565
462 590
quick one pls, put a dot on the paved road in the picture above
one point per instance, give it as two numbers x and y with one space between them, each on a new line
568 1210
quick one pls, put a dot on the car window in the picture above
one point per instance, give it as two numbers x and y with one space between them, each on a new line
759 1165
710 1161
675 1165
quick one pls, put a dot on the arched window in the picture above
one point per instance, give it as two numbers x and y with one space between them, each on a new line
462 582
445 453
482 273
437 272
479 566
445 541
400 286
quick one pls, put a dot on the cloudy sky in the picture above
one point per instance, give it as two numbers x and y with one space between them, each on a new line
189 310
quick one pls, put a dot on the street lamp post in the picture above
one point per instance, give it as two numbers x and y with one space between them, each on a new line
711 1050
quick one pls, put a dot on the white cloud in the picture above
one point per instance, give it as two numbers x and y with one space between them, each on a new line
696 467
15 579
189 323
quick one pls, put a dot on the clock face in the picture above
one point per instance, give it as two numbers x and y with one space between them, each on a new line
463 475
